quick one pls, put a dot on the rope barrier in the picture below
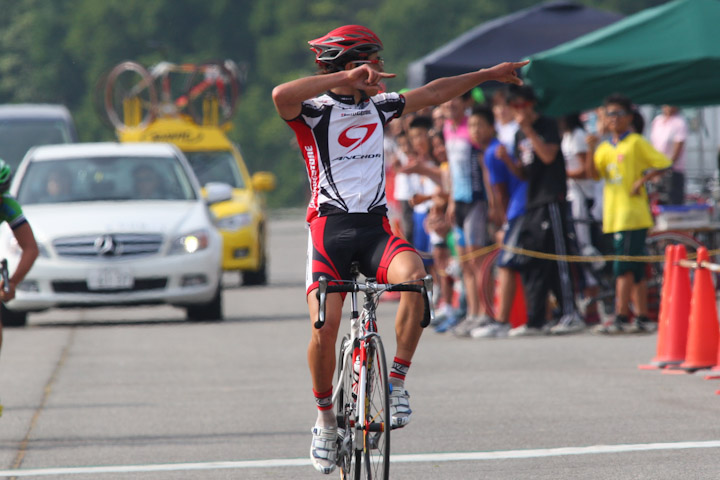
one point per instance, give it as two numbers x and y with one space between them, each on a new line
567 258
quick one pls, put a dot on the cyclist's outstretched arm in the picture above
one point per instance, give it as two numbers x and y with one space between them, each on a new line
288 97
444 89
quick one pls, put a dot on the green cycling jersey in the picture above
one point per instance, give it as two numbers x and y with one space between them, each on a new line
11 212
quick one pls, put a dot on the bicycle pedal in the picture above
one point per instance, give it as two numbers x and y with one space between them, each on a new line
372 441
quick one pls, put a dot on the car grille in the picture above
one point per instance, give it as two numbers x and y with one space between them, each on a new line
141 284
108 245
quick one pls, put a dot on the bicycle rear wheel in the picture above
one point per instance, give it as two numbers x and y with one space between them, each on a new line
349 460
130 96
376 451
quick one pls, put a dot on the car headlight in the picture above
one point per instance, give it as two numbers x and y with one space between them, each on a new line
234 222
190 243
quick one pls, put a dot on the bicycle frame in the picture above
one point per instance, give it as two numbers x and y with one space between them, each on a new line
362 327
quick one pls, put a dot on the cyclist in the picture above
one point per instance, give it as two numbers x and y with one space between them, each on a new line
11 213
338 117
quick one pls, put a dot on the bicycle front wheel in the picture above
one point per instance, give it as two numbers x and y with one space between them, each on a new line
349 459
376 451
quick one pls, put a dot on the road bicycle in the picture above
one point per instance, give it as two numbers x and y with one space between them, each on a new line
362 395
133 96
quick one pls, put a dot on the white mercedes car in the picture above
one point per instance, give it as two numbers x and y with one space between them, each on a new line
116 224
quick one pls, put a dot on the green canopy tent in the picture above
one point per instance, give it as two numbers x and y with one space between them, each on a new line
664 55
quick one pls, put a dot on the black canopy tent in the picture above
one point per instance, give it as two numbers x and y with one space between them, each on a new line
509 38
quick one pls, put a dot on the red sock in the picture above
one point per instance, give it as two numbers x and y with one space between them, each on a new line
399 369
323 400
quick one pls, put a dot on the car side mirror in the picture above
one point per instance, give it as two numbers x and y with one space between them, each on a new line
263 181
216 192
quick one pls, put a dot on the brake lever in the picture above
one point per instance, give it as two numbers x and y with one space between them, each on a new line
322 295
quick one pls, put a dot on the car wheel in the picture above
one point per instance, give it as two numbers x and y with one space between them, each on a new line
258 277
207 312
12 318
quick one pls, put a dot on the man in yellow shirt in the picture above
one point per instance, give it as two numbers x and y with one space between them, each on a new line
626 162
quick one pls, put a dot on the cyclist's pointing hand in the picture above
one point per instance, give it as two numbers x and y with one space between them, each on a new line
367 78
507 72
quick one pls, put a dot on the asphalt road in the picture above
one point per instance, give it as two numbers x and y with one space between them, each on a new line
140 393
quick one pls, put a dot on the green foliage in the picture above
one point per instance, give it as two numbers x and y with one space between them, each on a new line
58 52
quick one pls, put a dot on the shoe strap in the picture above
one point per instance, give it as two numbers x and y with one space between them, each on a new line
399 402
324 443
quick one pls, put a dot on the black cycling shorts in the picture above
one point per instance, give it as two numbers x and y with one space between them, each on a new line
335 241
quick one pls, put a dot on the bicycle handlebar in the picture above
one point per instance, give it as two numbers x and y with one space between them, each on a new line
425 289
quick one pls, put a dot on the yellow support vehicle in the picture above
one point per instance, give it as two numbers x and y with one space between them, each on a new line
242 220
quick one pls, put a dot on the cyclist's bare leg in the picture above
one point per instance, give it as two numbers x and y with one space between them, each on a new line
403 267
321 350
639 298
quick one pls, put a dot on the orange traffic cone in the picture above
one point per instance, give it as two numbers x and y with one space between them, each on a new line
658 362
518 313
679 312
703 330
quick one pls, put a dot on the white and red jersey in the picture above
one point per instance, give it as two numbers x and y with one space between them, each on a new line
342 143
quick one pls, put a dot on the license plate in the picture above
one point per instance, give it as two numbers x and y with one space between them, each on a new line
110 279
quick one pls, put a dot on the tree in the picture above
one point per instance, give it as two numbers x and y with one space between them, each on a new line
58 51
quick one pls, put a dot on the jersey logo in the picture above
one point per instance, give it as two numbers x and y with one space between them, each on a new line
349 141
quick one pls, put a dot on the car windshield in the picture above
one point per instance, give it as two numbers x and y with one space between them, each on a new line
105 178
216 167
17 137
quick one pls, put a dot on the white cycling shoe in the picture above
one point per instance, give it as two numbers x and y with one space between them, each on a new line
323 450
400 410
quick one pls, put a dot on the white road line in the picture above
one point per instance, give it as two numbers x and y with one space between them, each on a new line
408 458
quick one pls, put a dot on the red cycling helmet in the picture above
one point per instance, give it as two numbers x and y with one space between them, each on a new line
353 40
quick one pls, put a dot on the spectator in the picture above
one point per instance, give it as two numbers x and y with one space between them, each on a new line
505 124
438 117
402 191
425 180
581 195
668 134
468 207
622 163
508 193
545 225
438 226
638 122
